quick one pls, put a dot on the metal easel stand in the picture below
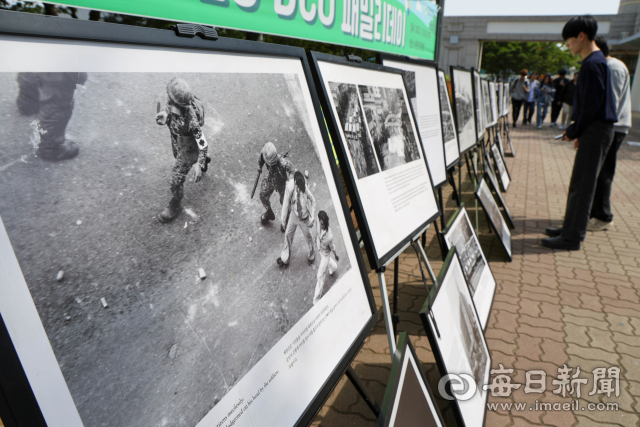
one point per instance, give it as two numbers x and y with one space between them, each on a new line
362 390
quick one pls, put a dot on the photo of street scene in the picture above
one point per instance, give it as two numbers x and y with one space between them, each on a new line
477 86
495 217
445 107
486 101
472 336
462 237
390 129
347 103
462 92
147 212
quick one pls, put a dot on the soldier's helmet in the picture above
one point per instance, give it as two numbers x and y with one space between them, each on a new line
179 92
269 153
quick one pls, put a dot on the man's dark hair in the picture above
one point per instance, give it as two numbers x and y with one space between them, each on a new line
298 178
324 218
580 24
562 72
601 42
524 72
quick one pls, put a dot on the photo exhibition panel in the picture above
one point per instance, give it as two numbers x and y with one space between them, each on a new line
451 147
465 114
144 274
422 90
386 162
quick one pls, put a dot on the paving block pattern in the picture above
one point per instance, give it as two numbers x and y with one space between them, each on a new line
552 309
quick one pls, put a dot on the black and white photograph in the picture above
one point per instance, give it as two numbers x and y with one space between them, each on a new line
482 284
456 336
495 217
351 119
506 98
500 99
477 102
498 141
451 148
408 400
493 96
421 81
155 217
493 182
387 116
501 167
486 101
463 94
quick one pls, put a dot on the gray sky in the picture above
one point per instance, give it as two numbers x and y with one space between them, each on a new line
523 8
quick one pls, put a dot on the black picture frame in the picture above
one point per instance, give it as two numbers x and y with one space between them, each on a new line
457 110
477 103
436 329
495 218
498 160
493 181
380 58
376 260
23 408
394 389
462 212
447 99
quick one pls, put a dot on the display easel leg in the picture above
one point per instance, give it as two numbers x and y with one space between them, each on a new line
395 317
452 181
441 200
441 242
387 312
357 383
460 180
434 279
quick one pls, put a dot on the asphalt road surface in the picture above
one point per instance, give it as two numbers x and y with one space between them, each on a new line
169 345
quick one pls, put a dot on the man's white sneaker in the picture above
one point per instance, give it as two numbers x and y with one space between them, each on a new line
596 225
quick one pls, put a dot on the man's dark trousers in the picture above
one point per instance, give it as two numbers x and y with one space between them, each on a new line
555 110
517 104
529 108
592 151
601 207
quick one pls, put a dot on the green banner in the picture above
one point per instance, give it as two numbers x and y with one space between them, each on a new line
406 27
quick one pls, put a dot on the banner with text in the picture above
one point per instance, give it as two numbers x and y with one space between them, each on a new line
402 27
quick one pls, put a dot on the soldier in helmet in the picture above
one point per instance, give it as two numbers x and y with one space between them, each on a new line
50 96
184 116
279 171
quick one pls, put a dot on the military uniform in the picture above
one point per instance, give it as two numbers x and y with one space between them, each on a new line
185 118
50 96
279 170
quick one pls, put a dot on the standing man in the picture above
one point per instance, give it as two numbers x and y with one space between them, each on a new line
594 113
560 85
519 91
530 102
601 216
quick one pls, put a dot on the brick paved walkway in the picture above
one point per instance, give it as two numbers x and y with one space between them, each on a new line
551 308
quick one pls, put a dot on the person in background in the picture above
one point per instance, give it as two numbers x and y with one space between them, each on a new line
530 102
567 102
544 95
601 217
519 90
560 85
594 113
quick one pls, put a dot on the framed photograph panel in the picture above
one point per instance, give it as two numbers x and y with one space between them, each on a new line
500 99
451 145
495 217
454 330
408 400
422 88
478 104
501 167
506 97
493 181
462 86
373 129
486 101
493 96
139 281
482 285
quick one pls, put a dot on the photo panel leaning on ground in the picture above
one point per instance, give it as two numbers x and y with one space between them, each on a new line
397 194
190 322
465 114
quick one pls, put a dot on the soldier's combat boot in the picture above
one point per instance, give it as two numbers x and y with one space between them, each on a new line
54 153
268 216
169 213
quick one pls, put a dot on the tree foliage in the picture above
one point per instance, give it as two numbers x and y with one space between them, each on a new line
508 58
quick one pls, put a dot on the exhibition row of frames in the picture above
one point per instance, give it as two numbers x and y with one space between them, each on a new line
220 313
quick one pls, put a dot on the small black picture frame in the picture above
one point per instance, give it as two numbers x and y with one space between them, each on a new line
406 371
489 173
500 166
477 103
376 259
443 331
494 216
464 107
